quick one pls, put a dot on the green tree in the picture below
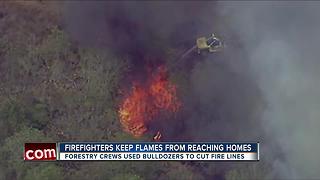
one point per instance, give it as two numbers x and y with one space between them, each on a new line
19 112
126 177
44 172
252 171
91 104
11 154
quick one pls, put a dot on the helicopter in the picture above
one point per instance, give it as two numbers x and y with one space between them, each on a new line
210 44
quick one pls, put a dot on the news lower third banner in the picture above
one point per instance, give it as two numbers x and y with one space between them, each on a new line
145 151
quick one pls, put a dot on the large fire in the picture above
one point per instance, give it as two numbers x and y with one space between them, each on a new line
144 103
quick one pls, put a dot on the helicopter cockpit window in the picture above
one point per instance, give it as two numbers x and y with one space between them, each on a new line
213 42
210 41
216 43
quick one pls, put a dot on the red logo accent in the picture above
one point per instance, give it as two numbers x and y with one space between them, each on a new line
40 152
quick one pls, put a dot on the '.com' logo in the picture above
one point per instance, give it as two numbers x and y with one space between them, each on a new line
40 152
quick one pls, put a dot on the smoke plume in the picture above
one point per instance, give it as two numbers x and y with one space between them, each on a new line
281 39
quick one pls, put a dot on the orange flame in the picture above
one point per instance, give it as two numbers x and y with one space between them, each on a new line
144 103
157 137
164 93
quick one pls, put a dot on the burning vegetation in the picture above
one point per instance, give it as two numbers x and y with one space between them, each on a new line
145 102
